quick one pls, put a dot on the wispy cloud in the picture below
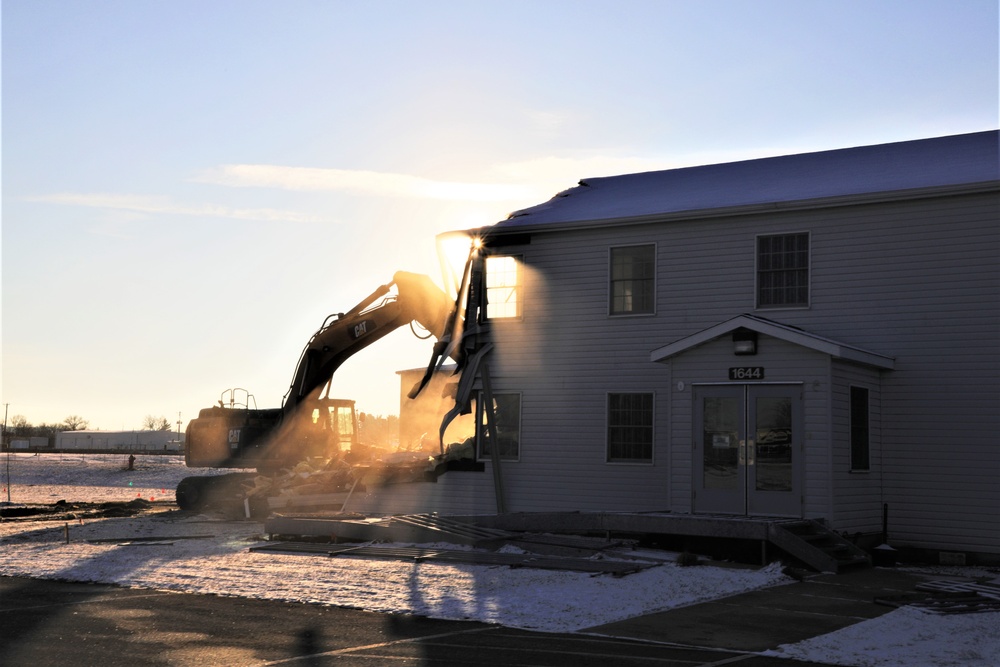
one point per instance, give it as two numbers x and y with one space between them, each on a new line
164 206
363 182
520 182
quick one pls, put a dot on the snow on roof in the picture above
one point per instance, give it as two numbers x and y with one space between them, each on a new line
925 163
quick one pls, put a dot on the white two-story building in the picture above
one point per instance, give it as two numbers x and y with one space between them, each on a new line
809 336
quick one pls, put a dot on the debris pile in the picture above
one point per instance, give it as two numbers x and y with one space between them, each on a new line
309 477
66 511
321 478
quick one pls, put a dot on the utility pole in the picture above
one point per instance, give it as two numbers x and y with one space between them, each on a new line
3 440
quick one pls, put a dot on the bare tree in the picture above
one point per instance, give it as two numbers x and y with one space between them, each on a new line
151 423
19 426
75 423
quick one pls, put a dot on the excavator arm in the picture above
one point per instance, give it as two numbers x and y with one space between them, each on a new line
417 299
307 423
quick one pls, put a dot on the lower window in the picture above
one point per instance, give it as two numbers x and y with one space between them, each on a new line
630 428
860 442
507 420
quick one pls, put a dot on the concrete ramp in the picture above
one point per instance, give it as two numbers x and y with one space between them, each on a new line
617 568
415 528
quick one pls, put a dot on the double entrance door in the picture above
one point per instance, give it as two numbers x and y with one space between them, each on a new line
748 449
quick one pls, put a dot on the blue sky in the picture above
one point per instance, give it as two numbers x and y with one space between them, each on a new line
189 188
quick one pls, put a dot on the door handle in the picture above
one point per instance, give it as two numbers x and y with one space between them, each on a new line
750 456
743 452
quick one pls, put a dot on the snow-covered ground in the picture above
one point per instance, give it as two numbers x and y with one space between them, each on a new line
200 554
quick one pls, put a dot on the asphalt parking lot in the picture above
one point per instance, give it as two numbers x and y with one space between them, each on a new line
61 623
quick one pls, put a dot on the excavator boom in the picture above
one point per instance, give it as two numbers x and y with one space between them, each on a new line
342 336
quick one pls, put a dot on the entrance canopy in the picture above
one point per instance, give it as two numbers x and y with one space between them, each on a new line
794 335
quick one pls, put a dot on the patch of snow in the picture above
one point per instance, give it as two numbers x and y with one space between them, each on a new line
221 564
511 549
906 636
199 554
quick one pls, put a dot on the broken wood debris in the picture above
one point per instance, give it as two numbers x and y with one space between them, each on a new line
948 597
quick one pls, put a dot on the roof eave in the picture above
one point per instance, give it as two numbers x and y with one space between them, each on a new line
747 209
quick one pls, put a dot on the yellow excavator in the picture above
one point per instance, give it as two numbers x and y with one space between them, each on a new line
310 424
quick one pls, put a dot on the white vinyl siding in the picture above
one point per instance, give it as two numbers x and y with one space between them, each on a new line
915 280
858 496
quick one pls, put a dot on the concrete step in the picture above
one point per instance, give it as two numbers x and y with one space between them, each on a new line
817 546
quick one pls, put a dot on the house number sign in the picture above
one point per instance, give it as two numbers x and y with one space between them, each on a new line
746 373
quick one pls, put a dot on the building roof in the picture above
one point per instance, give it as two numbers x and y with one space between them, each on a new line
794 335
807 179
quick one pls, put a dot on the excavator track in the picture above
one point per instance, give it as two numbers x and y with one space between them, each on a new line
199 492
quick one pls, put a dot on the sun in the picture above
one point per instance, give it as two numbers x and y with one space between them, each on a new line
454 250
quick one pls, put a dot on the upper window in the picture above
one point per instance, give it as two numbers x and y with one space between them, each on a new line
860 439
503 287
633 278
783 270
506 418
630 428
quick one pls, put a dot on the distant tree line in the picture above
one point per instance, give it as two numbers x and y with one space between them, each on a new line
374 430
20 427
378 431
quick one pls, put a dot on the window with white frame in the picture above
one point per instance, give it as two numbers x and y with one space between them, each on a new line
503 287
860 430
633 279
630 428
506 418
783 270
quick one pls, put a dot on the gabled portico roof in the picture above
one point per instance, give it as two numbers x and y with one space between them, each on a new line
766 327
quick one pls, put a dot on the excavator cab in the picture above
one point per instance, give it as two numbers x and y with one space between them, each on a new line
240 436
336 422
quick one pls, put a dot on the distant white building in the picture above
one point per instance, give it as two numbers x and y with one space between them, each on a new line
34 442
120 441
420 417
